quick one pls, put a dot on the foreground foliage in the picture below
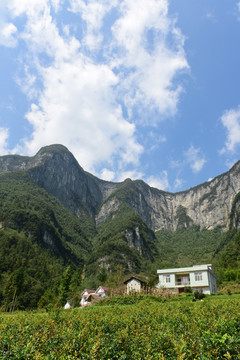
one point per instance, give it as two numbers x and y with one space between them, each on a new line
153 328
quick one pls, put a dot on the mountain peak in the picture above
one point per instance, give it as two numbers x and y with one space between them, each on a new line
55 169
53 148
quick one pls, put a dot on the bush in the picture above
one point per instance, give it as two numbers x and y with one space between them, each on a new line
188 290
199 295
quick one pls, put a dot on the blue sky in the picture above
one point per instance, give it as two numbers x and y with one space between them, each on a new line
140 89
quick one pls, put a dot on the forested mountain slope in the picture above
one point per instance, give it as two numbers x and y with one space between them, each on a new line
56 170
38 238
54 215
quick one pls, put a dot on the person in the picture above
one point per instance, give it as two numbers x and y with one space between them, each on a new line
194 299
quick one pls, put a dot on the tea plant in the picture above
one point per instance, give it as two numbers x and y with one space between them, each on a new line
149 329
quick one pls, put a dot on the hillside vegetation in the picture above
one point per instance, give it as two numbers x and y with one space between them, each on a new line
63 230
38 238
187 247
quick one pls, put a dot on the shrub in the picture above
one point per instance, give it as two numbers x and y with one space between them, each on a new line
188 290
199 295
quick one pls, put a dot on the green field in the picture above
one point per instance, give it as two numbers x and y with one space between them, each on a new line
149 328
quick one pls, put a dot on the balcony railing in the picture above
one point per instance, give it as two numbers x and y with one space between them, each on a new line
182 283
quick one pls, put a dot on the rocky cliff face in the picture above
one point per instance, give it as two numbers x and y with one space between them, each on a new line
56 170
207 205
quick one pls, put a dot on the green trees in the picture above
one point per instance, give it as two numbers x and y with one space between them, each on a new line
65 285
38 237
102 276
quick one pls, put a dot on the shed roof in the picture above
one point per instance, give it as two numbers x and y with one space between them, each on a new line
134 278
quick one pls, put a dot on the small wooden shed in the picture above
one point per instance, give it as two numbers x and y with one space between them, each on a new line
134 284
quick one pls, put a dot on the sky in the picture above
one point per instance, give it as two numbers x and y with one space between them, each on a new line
146 89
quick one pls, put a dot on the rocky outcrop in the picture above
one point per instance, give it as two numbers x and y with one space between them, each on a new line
235 213
56 170
137 242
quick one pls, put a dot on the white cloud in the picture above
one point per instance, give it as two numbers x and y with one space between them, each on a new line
41 33
107 174
56 4
76 106
28 83
7 32
231 121
130 174
78 96
159 182
154 140
4 133
77 109
195 158
151 66
238 9
178 184
93 13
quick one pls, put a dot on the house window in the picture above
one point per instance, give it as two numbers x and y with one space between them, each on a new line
166 278
198 276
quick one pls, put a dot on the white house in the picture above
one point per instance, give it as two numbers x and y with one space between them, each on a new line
89 296
134 284
102 291
85 294
198 277
67 305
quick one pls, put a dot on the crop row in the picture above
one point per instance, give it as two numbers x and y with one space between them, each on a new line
146 330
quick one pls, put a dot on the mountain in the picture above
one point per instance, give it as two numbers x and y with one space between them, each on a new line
38 238
56 170
50 208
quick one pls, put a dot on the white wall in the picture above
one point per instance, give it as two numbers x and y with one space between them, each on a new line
163 283
133 285
207 284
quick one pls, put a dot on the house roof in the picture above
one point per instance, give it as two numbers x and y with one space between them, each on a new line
102 287
207 267
134 278
88 291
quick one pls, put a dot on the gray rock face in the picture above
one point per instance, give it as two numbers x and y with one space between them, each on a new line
60 174
207 205
136 241
56 170
107 208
